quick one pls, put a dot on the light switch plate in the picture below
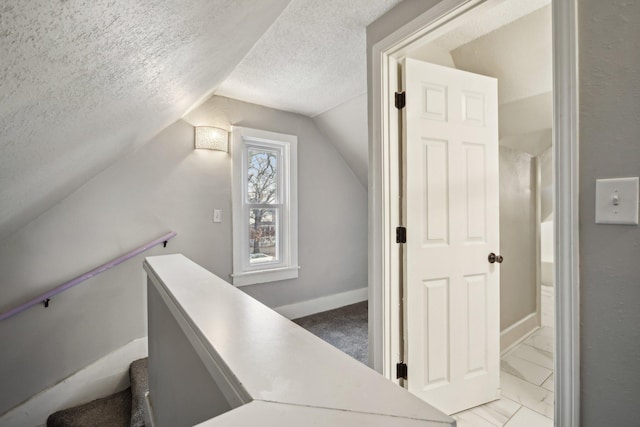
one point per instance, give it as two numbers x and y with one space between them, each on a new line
217 215
617 201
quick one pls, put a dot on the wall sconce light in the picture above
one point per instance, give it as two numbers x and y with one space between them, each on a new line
212 138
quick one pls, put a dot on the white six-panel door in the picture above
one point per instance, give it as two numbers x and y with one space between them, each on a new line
452 301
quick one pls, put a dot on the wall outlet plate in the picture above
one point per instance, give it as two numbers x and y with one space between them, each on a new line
617 201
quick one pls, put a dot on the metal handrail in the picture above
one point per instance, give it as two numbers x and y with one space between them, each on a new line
44 298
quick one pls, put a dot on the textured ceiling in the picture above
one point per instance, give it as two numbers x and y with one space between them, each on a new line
83 81
485 21
312 59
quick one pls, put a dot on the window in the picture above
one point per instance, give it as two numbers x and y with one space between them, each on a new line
265 208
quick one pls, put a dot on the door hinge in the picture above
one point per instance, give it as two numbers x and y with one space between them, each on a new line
401 100
401 370
401 235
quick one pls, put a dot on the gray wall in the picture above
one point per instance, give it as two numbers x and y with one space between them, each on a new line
546 184
609 254
164 185
395 18
346 126
332 210
517 236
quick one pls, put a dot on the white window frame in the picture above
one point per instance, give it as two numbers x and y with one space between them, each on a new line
286 267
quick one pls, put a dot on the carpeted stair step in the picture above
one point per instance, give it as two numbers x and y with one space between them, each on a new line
111 411
123 409
139 377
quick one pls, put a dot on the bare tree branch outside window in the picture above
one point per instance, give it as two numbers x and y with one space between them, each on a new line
262 189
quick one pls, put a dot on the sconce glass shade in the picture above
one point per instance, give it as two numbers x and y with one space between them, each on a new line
212 138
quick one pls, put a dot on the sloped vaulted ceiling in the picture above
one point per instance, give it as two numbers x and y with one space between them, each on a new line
83 81
311 60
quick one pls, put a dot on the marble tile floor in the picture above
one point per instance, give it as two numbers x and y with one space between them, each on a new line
527 388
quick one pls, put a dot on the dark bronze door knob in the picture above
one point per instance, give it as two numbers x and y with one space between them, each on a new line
493 258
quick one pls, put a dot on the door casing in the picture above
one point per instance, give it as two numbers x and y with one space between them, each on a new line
384 192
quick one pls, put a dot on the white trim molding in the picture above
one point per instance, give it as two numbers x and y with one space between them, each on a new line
282 202
566 198
318 305
518 332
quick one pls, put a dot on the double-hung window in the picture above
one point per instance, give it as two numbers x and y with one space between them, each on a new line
265 209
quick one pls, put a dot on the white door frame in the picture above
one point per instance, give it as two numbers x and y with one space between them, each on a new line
384 195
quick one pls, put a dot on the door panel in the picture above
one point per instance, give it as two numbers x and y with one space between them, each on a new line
436 207
435 303
475 207
450 138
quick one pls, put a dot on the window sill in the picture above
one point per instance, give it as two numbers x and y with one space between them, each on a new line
264 276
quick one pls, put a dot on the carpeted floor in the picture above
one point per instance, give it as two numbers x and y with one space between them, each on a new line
346 328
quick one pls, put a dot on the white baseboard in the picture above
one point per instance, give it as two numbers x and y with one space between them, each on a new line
318 305
106 376
518 332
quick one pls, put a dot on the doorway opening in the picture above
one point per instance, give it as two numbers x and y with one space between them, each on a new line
464 212
527 155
